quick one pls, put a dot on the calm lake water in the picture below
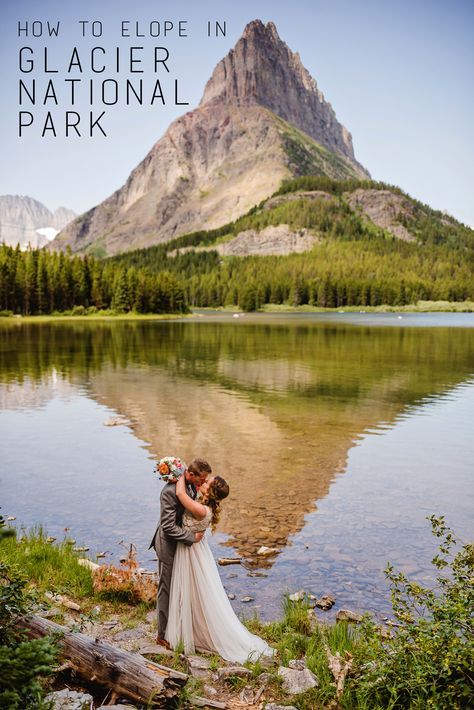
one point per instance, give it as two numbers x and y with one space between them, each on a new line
338 435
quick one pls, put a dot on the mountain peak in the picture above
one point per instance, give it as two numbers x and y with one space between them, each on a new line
261 69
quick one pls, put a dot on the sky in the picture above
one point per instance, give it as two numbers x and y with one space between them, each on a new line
398 75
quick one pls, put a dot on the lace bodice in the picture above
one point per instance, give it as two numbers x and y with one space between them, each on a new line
194 525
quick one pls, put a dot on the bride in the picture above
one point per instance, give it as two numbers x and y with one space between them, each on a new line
200 614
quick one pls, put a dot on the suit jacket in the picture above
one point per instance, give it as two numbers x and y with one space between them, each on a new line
170 529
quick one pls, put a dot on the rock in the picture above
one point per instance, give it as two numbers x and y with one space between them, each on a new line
229 671
247 695
297 681
264 677
80 549
313 620
277 240
232 575
209 690
274 706
297 596
50 539
116 421
49 613
70 700
11 517
257 574
26 221
84 562
198 667
347 615
384 208
264 551
231 596
155 650
240 141
326 602
136 633
151 617
112 623
297 665
247 599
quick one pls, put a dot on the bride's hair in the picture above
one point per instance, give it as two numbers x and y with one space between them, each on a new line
218 490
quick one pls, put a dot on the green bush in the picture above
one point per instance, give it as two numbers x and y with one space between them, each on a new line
427 662
22 663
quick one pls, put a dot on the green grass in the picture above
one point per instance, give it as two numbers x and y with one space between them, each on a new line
419 307
99 316
298 634
54 567
50 567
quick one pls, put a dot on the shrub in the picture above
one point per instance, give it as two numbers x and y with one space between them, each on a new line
22 662
427 662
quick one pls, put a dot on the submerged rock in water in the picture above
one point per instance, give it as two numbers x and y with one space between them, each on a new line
265 551
116 421
326 602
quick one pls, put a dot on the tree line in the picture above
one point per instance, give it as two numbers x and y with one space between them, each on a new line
353 263
37 281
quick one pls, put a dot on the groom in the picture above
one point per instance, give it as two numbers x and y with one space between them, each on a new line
169 532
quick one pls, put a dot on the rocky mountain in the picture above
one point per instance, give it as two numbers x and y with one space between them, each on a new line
24 221
262 118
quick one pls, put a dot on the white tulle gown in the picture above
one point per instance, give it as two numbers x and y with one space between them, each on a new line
200 614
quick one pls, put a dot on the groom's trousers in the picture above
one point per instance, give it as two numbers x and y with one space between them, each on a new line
163 598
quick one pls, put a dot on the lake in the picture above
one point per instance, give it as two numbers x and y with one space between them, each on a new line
338 435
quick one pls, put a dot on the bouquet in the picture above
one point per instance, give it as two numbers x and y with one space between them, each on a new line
170 468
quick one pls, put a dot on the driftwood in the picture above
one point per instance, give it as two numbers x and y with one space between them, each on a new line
128 675
229 561
339 667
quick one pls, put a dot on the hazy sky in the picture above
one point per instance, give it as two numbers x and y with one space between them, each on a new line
398 74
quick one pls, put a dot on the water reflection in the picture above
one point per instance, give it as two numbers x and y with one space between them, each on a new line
275 405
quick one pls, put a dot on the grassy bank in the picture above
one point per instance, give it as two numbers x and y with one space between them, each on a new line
421 661
96 316
419 307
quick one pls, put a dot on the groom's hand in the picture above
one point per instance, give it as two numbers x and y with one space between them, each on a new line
198 536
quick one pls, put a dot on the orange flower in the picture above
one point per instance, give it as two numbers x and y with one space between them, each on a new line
164 469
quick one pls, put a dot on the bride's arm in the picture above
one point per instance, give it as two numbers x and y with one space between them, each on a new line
197 510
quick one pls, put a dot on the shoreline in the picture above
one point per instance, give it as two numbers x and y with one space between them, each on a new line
315 665
419 307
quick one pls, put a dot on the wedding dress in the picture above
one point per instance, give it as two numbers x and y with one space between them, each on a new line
200 613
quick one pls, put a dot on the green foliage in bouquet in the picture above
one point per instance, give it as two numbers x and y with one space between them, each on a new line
428 661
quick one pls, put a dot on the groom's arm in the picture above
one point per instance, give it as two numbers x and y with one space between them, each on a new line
169 503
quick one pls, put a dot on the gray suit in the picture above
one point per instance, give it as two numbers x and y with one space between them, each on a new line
169 532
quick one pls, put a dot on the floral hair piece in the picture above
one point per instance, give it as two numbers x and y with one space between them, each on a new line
170 468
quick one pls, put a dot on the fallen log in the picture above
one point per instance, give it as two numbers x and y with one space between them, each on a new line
127 674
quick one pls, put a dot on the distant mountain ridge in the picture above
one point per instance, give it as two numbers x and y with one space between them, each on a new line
262 118
26 221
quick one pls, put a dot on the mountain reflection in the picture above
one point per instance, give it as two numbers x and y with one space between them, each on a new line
275 407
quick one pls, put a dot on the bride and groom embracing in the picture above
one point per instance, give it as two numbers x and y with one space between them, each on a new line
193 607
